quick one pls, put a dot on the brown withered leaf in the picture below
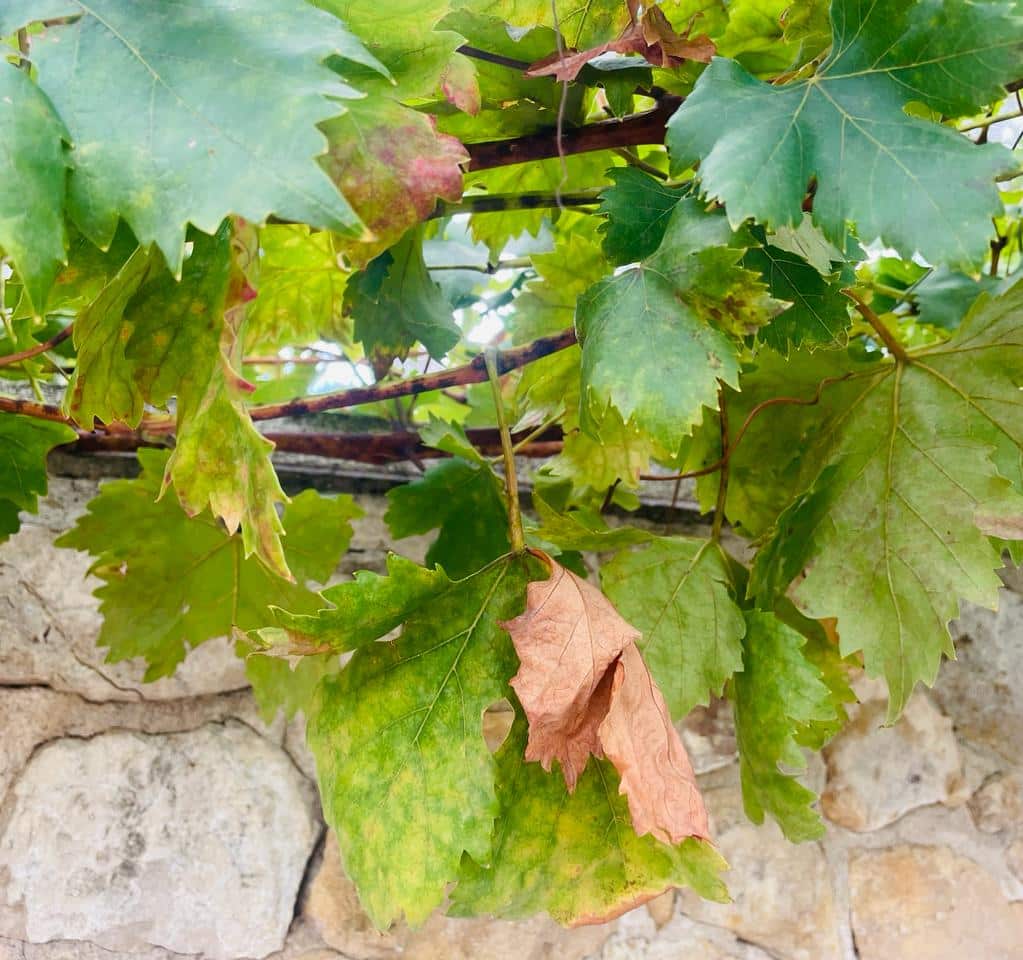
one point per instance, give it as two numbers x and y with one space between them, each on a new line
585 690
652 37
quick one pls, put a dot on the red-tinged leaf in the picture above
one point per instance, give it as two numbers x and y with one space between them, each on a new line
586 691
460 85
392 166
653 38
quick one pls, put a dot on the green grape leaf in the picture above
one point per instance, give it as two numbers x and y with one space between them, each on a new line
901 487
574 856
451 438
364 609
915 184
399 731
171 582
300 287
319 531
944 296
638 208
462 499
278 685
24 443
33 171
392 165
680 594
169 132
777 695
819 313
395 302
673 297
20 13
581 528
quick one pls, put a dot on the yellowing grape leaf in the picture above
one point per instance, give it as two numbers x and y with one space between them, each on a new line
574 856
399 732
586 691
917 185
903 484
680 593
33 171
171 582
169 131
24 443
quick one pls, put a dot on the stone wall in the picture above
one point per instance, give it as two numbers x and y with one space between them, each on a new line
148 821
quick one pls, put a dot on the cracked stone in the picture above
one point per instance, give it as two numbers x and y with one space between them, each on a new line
196 842
981 691
782 899
928 903
877 774
998 804
332 907
638 939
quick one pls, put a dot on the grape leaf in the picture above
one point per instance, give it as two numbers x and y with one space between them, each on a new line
637 208
913 183
901 488
168 131
583 529
399 731
170 581
148 337
945 296
680 594
819 313
582 24
401 34
586 692
777 695
574 856
395 302
392 165
300 287
33 171
24 443
278 685
670 296
462 499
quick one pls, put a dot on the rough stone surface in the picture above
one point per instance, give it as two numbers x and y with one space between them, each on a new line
928 903
982 692
333 908
196 842
877 774
998 805
782 892
640 939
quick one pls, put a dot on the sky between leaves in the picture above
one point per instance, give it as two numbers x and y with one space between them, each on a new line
803 293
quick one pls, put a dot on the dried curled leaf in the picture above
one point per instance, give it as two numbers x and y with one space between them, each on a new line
585 690
652 37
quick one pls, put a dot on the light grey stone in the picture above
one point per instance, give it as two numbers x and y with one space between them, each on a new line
196 842
638 939
782 896
981 691
877 774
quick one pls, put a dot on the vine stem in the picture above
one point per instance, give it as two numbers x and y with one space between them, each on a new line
719 506
511 483
894 347
54 341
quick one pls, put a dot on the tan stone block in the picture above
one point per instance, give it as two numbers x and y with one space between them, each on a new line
928 903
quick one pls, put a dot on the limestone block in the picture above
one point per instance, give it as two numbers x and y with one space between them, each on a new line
196 842
998 805
782 899
981 691
877 774
928 903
